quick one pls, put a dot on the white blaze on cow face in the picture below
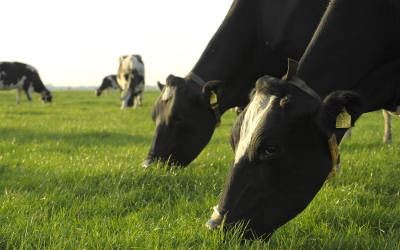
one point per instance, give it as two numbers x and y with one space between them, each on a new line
254 114
168 92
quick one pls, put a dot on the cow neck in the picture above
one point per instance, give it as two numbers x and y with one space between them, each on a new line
213 99
296 81
332 142
195 78
337 57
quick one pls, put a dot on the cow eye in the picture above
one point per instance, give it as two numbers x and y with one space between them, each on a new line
179 118
269 151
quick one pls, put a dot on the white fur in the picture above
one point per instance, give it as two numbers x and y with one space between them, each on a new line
127 65
114 84
31 68
216 216
168 92
255 112
19 84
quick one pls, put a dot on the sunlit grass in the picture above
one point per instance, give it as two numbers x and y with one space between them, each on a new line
71 178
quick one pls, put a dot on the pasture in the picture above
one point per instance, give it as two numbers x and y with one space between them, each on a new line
71 178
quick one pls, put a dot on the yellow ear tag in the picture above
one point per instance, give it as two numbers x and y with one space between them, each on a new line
213 97
343 120
333 147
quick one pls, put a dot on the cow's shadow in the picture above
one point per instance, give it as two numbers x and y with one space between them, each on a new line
75 139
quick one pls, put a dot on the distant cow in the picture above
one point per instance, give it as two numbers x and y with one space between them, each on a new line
109 83
131 80
23 77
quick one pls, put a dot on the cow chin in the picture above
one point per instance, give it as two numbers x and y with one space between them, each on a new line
170 160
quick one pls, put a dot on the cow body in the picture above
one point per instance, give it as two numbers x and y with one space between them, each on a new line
109 83
23 77
282 156
131 80
254 40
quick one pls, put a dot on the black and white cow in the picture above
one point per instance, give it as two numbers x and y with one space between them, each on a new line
23 77
282 156
131 80
254 40
109 83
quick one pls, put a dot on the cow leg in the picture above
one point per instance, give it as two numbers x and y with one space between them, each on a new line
348 134
18 95
140 99
136 100
112 91
387 136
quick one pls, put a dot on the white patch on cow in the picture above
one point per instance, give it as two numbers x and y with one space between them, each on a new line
255 112
168 92
2 73
217 216
397 112
9 86
127 65
114 84
31 68
139 87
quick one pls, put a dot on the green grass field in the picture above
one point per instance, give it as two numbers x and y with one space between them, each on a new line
71 178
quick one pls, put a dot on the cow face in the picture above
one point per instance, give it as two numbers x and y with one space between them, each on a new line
184 121
97 92
282 156
46 97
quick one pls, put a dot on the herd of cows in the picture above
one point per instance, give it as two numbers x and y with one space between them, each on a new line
130 80
285 139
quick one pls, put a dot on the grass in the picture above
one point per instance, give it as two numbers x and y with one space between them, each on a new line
71 178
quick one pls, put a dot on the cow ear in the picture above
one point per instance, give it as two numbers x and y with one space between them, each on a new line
217 86
160 85
326 114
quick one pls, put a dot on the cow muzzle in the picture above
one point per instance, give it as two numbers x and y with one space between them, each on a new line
216 219
147 163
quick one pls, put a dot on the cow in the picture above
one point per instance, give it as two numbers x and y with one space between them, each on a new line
285 140
109 83
131 80
253 40
387 134
23 77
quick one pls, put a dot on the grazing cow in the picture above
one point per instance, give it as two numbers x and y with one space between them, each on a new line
23 77
109 83
282 154
254 40
131 80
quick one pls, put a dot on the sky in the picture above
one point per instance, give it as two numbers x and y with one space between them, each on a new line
77 43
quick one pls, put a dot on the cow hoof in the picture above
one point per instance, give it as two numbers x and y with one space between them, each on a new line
147 164
213 225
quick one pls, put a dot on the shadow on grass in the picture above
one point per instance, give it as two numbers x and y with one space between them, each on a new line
91 138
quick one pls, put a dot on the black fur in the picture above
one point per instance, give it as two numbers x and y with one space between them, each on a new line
174 81
326 113
217 86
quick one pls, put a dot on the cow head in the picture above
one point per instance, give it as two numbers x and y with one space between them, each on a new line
97 92
184 120
46 96
282 156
